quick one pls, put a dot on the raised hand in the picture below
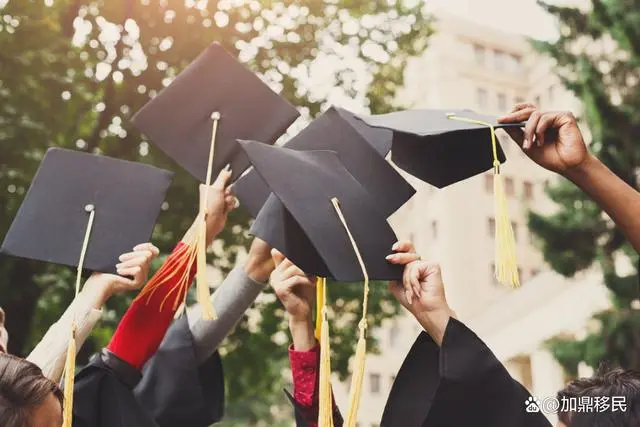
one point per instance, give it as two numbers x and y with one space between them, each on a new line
220 201
551 139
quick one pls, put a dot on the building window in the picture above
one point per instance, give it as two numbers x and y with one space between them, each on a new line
491 227
519 100
528 190
479 54
514 226
551 94
394 330
515 63
509 187
535 272
434 229
374 382
500 60
393 379
482 98
492 275
488 183
502 102
537 101
520 275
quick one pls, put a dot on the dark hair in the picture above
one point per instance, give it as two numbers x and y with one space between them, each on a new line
620 383
23 387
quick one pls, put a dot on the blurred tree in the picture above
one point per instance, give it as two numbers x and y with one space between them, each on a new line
598 56
72 73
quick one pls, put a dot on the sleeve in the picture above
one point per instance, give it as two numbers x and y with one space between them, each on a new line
305 369
51 352
234 296
145 323
434 383
175 390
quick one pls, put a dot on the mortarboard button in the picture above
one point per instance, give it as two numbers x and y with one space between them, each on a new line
436 147
51 223
215 87
320 177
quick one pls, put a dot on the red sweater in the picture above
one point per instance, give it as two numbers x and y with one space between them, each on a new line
144 325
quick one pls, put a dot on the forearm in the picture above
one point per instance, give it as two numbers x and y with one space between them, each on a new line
86 310
302 334
231 300
435 323
619 200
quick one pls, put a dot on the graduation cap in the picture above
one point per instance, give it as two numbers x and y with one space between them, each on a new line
341 221
443 147
196 121
84 211
340 131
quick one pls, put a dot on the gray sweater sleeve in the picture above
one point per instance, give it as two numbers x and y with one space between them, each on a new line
234 296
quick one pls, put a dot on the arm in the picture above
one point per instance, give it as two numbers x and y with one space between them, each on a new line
231 300
145 323
50 353
554 141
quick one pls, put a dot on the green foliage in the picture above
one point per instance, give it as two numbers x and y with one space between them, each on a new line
597 56
72 74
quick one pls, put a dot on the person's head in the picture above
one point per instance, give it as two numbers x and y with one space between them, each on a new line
4 335
606 385
27 397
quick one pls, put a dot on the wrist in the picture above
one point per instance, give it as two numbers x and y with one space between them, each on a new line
302 333
435 322
259 269
97 292
581 173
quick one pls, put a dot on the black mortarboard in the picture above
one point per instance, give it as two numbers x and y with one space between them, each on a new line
443 147
440 147
306 182
179 120
52 221
338 130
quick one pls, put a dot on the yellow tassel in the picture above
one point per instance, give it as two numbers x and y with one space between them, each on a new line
361 349
325 418
69 375
203 294
505 245
506 270
320 284
357 377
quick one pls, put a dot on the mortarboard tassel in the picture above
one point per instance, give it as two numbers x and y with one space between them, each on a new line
325 416
70 363
361 349
195 250
506 270
320 302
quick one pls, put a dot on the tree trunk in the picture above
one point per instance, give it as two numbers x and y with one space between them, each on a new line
20 309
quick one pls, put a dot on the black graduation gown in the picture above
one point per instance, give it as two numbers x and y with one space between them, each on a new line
460 384
171 391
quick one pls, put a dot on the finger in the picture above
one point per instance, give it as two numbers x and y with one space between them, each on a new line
397 291
403 258
546 122
518 116
295 281
223 179
129 271
131 255
277 257
415 276
523 105
293 270
123 281
408 290
404 246
147 247
529 129
133 262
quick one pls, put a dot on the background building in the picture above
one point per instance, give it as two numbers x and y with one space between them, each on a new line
468 65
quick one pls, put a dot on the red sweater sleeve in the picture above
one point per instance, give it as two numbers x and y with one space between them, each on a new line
143 326
305 369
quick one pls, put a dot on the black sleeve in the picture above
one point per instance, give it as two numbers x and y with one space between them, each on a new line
459 384
175 390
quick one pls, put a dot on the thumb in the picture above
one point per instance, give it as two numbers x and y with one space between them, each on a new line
277 256
223 178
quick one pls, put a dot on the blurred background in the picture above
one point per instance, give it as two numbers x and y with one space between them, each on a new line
73 72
